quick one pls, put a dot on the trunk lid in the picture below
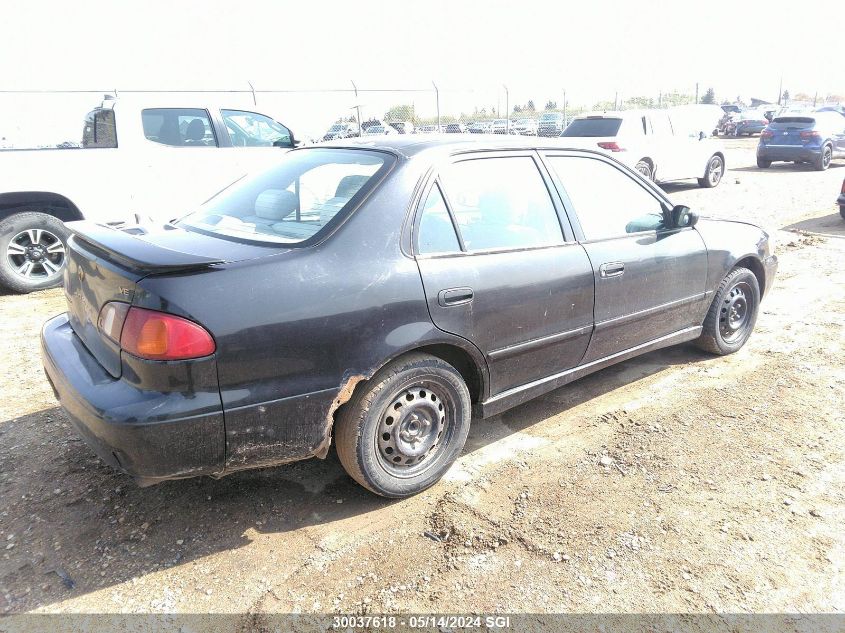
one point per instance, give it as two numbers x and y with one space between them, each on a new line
104 264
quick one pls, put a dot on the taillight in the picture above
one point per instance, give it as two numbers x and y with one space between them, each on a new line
806 135
767 134
611 145
111 318
159 336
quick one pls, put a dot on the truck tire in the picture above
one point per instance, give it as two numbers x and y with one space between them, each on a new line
33 251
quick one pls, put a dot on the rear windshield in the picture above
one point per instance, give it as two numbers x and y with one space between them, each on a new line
806 120
293 201
593 127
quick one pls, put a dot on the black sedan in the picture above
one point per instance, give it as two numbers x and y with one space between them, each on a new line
383 293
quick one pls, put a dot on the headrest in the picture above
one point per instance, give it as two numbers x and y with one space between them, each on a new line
275 204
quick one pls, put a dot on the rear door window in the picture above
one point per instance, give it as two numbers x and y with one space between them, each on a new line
436 231
178 127
501 203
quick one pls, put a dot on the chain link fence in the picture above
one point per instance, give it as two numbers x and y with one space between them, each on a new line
54 118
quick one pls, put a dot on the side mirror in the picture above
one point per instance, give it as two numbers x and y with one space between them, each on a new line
683 216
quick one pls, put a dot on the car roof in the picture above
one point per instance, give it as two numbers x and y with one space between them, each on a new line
409 146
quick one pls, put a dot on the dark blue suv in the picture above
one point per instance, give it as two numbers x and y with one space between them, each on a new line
815 138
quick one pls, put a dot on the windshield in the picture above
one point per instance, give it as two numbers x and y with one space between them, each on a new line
593 127
550 116
291 202
337 127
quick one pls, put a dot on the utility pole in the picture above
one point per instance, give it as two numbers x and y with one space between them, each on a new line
696 92
357 107
564 107
507 110
815 98
437 100
616 100
780 89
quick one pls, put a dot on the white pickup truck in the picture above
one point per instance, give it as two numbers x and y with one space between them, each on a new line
138 161
663 145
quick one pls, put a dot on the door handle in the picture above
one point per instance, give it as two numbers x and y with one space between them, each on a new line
611 269
454 296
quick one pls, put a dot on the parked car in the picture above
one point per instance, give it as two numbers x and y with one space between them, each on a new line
341 130
499 126
526 127
403 127
832 108
379 130
140 160
814 137
478 127
748 123
841 200
647 141
427 129
550 124
331 297
455 128
729 107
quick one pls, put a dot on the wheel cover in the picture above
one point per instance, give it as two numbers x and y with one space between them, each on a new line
411 429
715 171
827 154
36 254
735 313
644 170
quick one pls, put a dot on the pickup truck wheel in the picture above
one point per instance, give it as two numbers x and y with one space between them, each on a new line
33 250
823 161
644 168
400 433
713 173
732 315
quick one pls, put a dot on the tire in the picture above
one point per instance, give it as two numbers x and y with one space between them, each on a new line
823 161
763 164
33 251
713 173
644 169
732 315
388 436
842 211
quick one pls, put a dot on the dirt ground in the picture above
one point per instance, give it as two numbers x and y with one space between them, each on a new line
675 482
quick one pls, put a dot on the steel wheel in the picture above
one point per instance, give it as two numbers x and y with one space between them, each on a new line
411 428
735 312
36 254
403 429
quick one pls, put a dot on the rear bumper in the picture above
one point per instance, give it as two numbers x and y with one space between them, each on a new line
788 152
150 435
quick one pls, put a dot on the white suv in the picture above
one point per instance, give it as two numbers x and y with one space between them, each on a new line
660 144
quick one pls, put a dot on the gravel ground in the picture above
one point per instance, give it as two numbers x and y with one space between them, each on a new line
674 482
